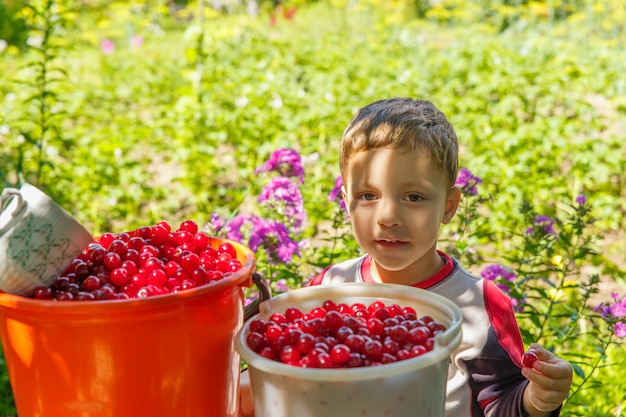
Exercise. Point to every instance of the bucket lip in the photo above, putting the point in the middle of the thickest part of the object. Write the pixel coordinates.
(445, 343)
(240, 278)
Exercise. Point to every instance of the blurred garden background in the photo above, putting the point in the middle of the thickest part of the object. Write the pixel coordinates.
(133, 112)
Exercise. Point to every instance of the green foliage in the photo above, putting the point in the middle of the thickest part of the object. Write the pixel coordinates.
(547, 261)
(12, 27)
(172, 122)
(38, 124)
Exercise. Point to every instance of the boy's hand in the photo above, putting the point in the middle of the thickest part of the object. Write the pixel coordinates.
(246, 403)
(550, 380)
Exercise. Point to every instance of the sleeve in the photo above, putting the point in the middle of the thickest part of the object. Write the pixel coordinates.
(496, 380)
(317, 279)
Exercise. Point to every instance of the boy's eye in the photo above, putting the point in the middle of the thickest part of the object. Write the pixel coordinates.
(414, 197)
(367, 196)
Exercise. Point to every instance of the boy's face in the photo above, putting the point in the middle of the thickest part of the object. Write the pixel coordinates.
(397, 201)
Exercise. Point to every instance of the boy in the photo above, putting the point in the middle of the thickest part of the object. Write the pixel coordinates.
(399, 164)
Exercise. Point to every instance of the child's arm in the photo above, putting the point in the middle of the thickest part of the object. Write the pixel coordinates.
(550, 380)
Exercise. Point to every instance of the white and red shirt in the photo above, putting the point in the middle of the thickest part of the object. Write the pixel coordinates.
(485, 370)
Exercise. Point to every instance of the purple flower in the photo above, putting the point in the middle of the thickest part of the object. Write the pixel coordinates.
(215, 225)
(335, 194)
(284, 196)
(491, 272)
(287, 162)
(499, 273)
(618, 309)
(249, 300)
(496, 271)
(274, 237)
(281, 285)
(270, 235)
(107, 46)
(603, 309)
(467, 182)
(236, 228)
(615, 310)
(581, 199)
(545, 225)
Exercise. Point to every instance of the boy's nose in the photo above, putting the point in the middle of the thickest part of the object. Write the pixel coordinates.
(388, 213)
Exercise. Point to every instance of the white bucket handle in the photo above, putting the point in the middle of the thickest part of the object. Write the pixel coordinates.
(444, 339)
(7, 195)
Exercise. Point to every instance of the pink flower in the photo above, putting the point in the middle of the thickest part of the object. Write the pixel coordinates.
(287, 162)
(136, 41)
(107, 46)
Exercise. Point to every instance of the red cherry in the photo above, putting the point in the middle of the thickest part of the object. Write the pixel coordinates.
(340, 354)
(289, 353)
(43, 293)
(106, 239)
(182, 237)
(305, 343)
(119, 277)
(380, 313)
(91, 283)
(189, 226)
(228, 248)
(255, 341)
(329, 305)
(157, 277)
(323, 360)
(135, 243)
(344, 308)
(200, 241)
(355, 361)
(97, 254)
(528, 359)
(394, 310)
(258, 325)
(130, 266)
(234, 265)
(334, 320)
(139, 279)
(417, 350)
(118, 246)
(190, 261)
(418, 335)
(112, 260)
(84, 296)
(292, 313)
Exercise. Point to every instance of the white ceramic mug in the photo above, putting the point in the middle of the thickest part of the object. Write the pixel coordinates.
(38, 239)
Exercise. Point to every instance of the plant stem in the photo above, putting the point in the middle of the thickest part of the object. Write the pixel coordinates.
(595, 366)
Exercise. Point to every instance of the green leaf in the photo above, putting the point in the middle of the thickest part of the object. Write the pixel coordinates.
(578, 370)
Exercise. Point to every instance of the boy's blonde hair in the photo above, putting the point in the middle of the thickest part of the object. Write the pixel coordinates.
(403, 123)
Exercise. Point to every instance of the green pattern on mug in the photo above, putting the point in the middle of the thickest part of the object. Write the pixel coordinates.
(37, 250)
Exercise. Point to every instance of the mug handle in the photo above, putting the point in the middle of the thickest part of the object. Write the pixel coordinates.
(7, 195)
(252, 309)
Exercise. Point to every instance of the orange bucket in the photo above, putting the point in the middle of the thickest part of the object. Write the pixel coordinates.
(168, 355)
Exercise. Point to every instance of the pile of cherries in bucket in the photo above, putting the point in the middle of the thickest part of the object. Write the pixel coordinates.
(148, 261)
(343, 335)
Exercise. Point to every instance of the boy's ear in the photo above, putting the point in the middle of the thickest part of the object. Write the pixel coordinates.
(452, 203)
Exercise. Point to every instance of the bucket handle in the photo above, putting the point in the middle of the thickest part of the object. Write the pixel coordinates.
(252, 309)
(7, 195)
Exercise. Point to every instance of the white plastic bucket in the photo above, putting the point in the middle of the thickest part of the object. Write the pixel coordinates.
(411, 387)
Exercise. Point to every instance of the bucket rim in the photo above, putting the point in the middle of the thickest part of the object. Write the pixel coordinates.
(242, 277)
(445, 343)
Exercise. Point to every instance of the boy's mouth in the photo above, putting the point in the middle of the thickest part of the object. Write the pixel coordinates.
(390, 242)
